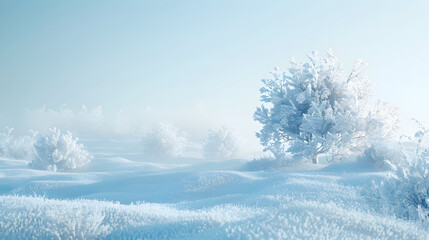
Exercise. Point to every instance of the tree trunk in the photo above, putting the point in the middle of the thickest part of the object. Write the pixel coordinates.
(315, 159)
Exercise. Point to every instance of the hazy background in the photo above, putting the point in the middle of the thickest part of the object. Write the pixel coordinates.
(195, 64)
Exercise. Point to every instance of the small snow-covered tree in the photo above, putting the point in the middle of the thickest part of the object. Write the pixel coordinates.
(313, 109)
(164, 141)
(227, 142)
(16, 147)
(58, 152)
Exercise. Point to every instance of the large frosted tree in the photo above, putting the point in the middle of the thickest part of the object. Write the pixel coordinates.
(315, 108)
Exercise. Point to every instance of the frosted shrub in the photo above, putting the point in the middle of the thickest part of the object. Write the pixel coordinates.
(58, 152)
(413, 188)
(382, 122)
(406, 193)
(164, 141)
(380, 156)
(315, 108)
(227, 142)
(16, 147)
(413, 180)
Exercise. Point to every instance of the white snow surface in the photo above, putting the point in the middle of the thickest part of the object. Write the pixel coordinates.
(122, 194)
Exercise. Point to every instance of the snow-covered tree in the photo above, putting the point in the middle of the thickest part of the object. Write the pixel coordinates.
(58, 152)
(227, 142)
(314, 109)
(164, 141)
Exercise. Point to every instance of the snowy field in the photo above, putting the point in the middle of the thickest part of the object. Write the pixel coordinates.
(124, 195)
(214, 120)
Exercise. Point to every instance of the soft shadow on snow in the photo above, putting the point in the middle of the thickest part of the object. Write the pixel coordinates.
(270, 164)
(348, 167)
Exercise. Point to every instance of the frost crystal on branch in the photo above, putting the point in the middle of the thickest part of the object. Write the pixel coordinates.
(313, 109)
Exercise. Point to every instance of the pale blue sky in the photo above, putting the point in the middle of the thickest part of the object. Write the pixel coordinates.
(199, 63)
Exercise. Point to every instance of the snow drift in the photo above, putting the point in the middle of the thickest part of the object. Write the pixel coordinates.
(211, 205)
(145, 200)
